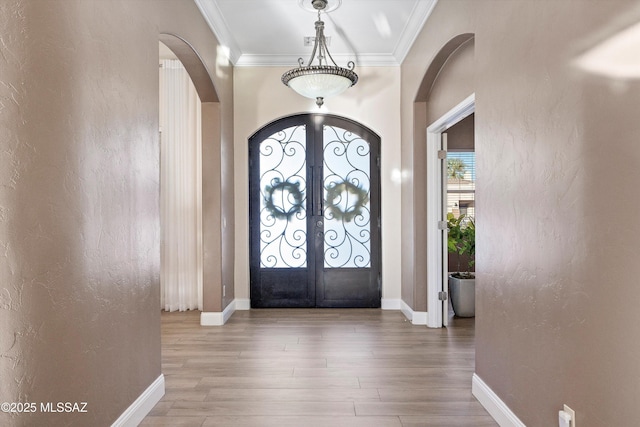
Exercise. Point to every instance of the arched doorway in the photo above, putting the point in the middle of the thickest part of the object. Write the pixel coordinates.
(443, 98)
(314, 203)
(180, 187)
(216, 248)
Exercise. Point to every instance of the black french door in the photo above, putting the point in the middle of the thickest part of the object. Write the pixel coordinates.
(314, 203)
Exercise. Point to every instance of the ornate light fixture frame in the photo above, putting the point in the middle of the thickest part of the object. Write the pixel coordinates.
(324, 68)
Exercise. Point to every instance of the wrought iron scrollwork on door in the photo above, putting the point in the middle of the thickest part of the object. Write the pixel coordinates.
(347, 212)
(283, 228)
(314, 210)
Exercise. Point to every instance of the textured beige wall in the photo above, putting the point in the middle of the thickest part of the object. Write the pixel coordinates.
(374, 101)
(557, 158)
(461, 136)
(79, 217)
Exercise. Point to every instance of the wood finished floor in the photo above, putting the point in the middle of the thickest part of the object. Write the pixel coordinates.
(316, 368)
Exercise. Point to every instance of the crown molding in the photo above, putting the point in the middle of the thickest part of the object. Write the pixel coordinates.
(213, 16)
(211, 13)
(366, 60)
(418, 18)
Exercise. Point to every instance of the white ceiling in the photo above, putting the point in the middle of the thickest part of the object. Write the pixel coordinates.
(271, 32)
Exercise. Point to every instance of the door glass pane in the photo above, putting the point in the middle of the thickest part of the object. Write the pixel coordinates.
(347, 208)
(283, 224)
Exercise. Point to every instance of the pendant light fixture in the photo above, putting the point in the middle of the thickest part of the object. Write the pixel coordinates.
(322, 80)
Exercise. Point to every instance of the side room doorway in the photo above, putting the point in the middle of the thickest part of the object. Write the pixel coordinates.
(437, 209)
(314, 212)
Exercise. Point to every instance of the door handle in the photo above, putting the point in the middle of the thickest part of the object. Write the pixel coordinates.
(310, 187)
(319, 197)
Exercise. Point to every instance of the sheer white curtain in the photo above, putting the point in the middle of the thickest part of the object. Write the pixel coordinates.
(180, 189)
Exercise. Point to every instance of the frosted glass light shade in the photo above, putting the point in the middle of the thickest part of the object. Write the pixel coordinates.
(319, 82)
(323, 85)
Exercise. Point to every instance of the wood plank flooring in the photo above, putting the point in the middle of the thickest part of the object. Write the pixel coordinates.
(316, 368)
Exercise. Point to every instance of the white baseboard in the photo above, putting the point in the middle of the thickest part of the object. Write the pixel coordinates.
(493, 404)
(390, 304)
(216, 318)
(415, 317)
(243, 304)
(142, 405)
(419, 318)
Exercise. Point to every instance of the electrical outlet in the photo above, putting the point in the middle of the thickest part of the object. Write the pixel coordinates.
(572, 413)
(567, 417)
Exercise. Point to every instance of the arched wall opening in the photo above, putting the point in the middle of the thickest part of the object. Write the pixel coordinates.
(214, 293)
(448, 80)
(180, 186)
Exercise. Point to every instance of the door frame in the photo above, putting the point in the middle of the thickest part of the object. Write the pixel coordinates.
(315, 165)
(436, 309)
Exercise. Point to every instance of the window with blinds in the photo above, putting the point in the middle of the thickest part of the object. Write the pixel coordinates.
(461, 183)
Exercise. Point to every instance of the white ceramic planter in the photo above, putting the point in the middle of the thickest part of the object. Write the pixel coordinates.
(463, 296)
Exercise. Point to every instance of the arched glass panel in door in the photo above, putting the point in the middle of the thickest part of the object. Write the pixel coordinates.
(314, 214)
(283, 227)
(347, 213)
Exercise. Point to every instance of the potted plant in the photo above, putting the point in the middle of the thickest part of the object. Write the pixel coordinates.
(462, 284)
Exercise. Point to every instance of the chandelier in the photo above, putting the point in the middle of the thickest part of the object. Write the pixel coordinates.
(322, 80)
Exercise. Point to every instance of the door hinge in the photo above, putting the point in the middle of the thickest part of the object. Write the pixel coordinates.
(442, 154)
(442, 225)
(442, 296)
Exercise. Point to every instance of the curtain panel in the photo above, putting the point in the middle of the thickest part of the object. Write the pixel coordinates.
(180, 190)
